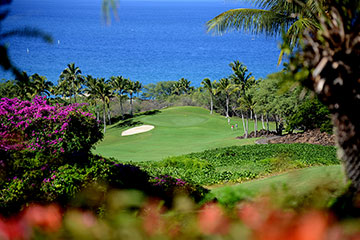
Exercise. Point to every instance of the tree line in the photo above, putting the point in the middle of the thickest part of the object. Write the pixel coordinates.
(239, 94)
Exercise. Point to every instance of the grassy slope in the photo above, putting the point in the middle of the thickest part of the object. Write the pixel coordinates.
(178, 130)
(298, 180)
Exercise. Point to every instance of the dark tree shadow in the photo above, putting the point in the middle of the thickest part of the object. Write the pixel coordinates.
(127, 123)
(119, 118)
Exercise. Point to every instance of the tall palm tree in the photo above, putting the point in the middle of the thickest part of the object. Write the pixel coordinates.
(119, 84)
(211, 87)
(71, 80)
(41, 85)
(91, 93)
(242, 82)
(24, 87)
(138, 87)
(226, 87)
(240, 77)
(185, 86)
(132, 88)
(100, 89)
(177, 88)
(329, 61)
(271, 17)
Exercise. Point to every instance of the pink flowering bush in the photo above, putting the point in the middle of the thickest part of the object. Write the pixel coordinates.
(38, 127)
(36, 140)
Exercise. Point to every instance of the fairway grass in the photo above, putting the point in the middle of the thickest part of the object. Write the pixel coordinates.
(299, 181)
(178, 130)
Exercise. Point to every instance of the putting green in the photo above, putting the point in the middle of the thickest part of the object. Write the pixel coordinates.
(178, 130)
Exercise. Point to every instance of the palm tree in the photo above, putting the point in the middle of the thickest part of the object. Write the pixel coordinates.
(100, 89)
(185, 86)
(211, 87)
(177, 88)
(24, 87)
(240, 78)
(271, 17)
(226, 87)
(138, 87)
(41, 85)
(91, 93)
(119, 84)
(71, 80)
(132, 88)
(329, 61)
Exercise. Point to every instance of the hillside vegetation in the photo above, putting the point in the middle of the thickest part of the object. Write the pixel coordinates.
(241, 163)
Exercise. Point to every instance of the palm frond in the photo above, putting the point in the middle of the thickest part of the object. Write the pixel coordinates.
(298, 28)
(251, 20)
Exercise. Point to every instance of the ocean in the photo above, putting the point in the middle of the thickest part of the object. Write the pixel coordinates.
(151, 41)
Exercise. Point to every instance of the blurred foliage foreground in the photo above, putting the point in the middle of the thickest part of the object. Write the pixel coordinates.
(130, 214)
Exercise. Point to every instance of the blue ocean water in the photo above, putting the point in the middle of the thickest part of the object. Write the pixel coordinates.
(152, 41)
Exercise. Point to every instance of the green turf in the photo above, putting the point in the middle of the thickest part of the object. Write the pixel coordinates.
(178, 130)
(299, 181)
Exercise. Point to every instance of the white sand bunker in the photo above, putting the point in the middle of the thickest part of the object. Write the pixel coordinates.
(136, 130)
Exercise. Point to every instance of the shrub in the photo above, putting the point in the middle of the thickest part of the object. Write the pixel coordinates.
(41, 128)
(311, 114)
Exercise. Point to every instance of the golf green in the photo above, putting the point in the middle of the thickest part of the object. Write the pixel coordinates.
(178, 130)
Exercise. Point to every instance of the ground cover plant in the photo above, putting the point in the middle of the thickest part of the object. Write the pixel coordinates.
(241, 163)
(178, 130)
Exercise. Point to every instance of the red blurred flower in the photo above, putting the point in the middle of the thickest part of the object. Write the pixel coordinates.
(212, 220)
(152, 219)
(13, 228)
(275, 224)
(48, 218)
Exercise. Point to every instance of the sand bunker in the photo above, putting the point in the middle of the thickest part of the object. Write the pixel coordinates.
(136, 130)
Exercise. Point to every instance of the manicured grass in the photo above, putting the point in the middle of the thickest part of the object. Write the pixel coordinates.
(298, 181)
(178, 130)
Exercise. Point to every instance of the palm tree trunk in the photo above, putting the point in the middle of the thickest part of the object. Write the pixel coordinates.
(109, 116)
(227, 106)
(276, 124)
(131, 105)
(121, 107)
(247, 126)
(262, 121)
(211, 104)
(104, 115)
(255, 125)
(243, 121)
(97, 112)
(347, 131)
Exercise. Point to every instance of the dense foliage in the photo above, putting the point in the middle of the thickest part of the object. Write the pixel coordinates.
(45, 157)
(311, 114)
(241, 163)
